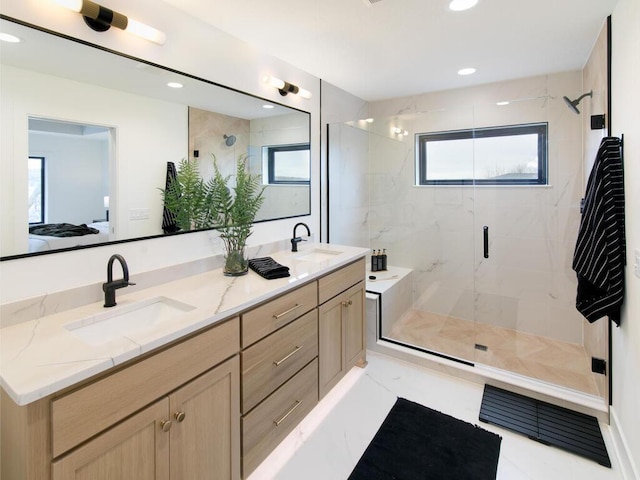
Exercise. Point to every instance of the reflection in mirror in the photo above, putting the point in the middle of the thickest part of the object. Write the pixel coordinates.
(49, 77)
(68, 184)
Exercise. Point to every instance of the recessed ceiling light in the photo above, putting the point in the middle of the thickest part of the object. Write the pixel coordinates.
(459, 5)
(502, 103)
(174, 85)
(267, 106)
(7, 37)
(466, 71)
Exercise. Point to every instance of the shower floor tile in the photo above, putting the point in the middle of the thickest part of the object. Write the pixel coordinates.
(553, 361)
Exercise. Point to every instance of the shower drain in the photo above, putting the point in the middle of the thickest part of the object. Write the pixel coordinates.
(479, 346)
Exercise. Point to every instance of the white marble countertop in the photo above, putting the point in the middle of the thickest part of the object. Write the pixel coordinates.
(41, 357)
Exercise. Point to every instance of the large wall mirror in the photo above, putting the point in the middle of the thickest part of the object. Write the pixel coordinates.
(87, 134)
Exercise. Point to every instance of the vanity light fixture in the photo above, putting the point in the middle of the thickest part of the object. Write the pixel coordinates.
(502, 104)
(285, 87)
(101, 19)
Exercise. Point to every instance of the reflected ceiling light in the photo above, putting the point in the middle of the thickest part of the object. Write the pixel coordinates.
(100, 19)
(501, 104)
(368, 120)
(174, 85)
(467, 71)
(285, 87)
(397, 130)
(7, 37)
(267, 106)
(460, 5)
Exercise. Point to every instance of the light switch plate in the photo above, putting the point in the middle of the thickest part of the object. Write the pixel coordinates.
(138, 214)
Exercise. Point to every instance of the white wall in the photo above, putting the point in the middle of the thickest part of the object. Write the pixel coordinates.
(337, 106)
(144, 142)
(75, 166)
(625, 111)
(191, 47)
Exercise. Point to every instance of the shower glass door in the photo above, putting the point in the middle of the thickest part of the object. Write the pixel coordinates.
(492, 283)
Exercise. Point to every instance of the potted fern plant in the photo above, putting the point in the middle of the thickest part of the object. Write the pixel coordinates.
(197, 204)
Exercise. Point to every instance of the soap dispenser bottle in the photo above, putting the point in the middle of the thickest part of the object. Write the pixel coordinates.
(383, 259)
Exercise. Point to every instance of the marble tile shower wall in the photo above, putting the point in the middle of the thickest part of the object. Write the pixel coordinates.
(527, 283)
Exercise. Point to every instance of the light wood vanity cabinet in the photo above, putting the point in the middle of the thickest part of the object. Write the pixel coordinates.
(173, 414)
(288, 352)
(188, 434)
(211, 406)
(341, 324)
(279, 371)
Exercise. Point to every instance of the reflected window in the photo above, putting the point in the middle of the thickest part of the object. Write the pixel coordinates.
(512, 155)
(36, 190)
(288, 164)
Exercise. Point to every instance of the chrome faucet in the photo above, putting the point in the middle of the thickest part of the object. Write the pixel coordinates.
(296, 240)
(111, 286)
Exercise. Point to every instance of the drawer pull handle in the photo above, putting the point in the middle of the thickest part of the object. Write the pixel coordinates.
(280, 315)
(277, 364)
(346, 304)
(165, 425)
(179, 416)
(284, 417)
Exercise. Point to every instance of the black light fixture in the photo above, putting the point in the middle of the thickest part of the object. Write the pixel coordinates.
(101, 19)
(285, 87)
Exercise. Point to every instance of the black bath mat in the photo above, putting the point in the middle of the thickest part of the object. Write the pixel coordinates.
(548, 424)
(417, 443)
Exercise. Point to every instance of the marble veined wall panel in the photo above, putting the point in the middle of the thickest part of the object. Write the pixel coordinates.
(526, 283)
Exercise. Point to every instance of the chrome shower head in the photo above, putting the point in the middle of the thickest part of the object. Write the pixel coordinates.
(573, 104)
(229, 140)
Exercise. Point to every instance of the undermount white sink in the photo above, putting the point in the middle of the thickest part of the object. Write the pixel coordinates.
(129, 320)
(317, 255)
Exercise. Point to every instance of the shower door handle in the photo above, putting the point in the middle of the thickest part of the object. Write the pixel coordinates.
(485, 230)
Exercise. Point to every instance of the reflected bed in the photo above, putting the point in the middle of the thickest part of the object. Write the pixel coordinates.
(44, 243)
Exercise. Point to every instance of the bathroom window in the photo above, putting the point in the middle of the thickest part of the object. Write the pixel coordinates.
(288, 164)
(36, 190)
(508, 155)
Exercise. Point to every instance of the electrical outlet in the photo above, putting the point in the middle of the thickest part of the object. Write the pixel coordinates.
(636, 263)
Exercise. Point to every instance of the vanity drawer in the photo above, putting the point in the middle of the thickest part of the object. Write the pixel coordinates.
(80, 414)
(266, 318)
(272, 361)
(267, 425)
(337, 282)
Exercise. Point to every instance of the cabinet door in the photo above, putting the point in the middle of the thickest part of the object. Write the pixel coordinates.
(341, 336)
(135, 448)
(330, 340)
(205, 438)
(353, 320)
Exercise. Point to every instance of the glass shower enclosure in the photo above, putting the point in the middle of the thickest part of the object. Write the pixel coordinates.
(492, 284)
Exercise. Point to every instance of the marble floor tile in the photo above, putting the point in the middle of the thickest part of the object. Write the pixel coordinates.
(331, 439)
(561, 363)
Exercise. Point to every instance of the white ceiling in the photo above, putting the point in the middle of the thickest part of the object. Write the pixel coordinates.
(396, 48)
